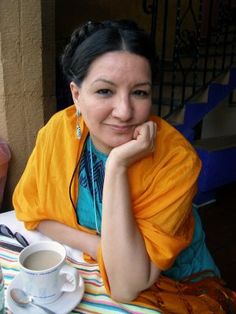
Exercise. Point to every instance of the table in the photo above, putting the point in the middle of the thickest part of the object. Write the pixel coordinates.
(95, 299)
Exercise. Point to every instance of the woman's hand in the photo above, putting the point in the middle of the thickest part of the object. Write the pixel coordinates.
(142, 144)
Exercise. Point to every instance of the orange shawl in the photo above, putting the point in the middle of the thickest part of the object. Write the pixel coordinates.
(162, 186)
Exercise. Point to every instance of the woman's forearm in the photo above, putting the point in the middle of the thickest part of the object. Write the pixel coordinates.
(77, 239)
(127, 263)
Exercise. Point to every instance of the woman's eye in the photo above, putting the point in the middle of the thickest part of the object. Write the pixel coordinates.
(104, 92)
(141, 93)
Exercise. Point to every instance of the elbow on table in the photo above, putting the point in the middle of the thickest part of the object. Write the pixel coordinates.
(124, 296)
(125, 293)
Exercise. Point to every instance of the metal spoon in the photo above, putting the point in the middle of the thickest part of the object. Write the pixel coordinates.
(22, 299)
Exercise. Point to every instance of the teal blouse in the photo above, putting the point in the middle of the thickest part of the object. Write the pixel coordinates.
(91, 178)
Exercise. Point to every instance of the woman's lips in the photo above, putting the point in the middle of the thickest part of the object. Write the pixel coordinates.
(121, 128)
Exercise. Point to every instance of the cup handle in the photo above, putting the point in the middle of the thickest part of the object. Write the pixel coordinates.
(69, 276)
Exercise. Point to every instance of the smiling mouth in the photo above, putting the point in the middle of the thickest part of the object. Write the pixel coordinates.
(121, 128)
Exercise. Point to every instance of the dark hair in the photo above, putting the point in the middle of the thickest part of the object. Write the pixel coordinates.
(92, 39)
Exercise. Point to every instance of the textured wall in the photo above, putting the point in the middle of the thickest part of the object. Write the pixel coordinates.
(22, 91)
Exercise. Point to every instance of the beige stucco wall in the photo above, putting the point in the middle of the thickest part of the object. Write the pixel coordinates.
(27, 96)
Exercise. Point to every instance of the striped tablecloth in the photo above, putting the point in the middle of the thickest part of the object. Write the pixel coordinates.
(95, 299)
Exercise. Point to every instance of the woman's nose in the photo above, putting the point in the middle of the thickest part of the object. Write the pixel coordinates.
(123, 109)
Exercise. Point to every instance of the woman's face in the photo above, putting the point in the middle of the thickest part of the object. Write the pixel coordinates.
(114, 98)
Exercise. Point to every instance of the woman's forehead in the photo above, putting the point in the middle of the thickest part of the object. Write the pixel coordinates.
(119, 63)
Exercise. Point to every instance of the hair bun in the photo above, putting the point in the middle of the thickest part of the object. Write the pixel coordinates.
(87, 30)
(79, 35)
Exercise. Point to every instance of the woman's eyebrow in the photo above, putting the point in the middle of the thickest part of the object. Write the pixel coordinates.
(112, 83)
(104, 81)
(143, 84)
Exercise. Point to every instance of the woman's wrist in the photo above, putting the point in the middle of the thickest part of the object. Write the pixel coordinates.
(116, 164)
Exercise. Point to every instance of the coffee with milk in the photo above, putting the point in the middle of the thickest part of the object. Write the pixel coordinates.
(42, 260)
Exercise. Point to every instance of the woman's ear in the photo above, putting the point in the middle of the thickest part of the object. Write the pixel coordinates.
(75, 93)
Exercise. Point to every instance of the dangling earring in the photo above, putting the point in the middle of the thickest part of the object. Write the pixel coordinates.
(78, 129)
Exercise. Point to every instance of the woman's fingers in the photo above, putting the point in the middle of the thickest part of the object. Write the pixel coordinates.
(143, 143)
(146, 133)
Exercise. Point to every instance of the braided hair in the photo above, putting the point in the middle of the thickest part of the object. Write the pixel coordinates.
(92, 39)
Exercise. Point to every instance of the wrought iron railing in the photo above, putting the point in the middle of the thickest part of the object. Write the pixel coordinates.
(196, 41)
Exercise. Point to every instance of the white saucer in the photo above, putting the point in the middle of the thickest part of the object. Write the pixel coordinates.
(64, 305)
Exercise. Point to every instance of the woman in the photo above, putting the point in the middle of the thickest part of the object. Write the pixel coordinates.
(108, 178)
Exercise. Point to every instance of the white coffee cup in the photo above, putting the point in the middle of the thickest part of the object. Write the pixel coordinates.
(43, 271)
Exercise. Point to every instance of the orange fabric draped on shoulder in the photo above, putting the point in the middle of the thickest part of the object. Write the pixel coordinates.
(162, 186)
